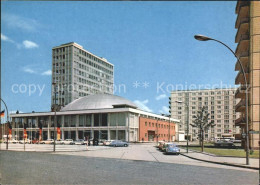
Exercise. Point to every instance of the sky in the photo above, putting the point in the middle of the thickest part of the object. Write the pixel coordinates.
(151, 45)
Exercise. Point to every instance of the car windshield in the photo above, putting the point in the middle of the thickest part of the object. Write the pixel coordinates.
(172, 146)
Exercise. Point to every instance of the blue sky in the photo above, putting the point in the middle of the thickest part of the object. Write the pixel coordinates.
(151, 45)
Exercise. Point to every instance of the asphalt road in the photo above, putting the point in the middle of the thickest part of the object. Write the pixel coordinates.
(45, 168)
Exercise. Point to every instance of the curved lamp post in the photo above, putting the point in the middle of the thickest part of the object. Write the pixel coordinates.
(7, 117)
(205, 38)
(55, 117)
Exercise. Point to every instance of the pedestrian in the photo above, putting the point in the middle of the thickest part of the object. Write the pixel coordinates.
(87, 142)
(142, 140)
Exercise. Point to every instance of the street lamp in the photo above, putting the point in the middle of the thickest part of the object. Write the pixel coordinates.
(187, 132)
(7, 117)
(55, 117)
(205, 38)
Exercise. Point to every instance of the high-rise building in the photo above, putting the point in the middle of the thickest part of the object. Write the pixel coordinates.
(219, 103)
(248, 50)
(77, 73)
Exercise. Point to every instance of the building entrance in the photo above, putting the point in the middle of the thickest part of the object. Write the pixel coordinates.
(151, 135)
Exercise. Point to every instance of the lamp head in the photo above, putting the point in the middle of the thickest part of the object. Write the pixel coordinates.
(202, 38)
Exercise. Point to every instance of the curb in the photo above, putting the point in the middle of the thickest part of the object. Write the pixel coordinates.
(213, 155)
(224, 163)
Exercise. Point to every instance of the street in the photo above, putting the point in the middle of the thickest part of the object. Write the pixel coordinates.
(137, 164)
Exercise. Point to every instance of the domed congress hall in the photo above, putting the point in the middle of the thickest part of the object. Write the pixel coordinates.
(100, 116)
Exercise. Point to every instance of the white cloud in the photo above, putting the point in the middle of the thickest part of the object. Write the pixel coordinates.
(29, 44)
(26, 44)
(14, 21)
(5, 38)
(29, 70)
(142, 105)
(164, 110)
(47, 73)
(162, 96)
(36, 69)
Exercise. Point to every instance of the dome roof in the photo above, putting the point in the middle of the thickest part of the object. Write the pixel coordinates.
(98, 101)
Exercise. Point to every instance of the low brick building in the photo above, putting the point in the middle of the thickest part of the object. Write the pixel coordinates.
(156, 129)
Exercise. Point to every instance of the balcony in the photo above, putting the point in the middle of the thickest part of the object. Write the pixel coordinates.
(240, 77)
(244, 58)
(241, 106)
(243, 44)
(240, 5)
(243, 27)
(240, 121)
(240, 92)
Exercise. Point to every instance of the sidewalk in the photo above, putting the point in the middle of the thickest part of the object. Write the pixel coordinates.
(230, 161)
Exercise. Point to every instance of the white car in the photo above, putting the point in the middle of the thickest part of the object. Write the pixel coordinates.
(59, 142)
(48, 141)
(79, 142)
(24, 141)
(14, 141)
(68, 142)
(107, 142)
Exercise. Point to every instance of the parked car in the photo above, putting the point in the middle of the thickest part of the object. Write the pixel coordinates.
(59, 142)
(161, 143)
(224, 143)
(24, 141)
(158, 144)
(107, 142)
(101, 142)
(95, 142)
(35, 141)
(79, 142)
(14, 141)
(172, 149)
(68, 142)
(164, 146)
(48, 141)
(118, 143)
(11, 141)
(28, 141)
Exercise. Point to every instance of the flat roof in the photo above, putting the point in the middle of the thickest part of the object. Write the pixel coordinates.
(81, 47)
(198, 90)
(113, 110)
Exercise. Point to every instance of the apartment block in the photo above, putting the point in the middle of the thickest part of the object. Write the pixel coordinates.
(248, 51)
(77, 73)
(219, 103)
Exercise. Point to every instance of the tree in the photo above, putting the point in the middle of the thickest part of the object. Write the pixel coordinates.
(201, 121)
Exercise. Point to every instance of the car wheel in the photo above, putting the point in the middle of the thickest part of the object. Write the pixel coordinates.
(125, 145)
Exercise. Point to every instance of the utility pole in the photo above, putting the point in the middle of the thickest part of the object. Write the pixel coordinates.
(7, 117)
(55, 117)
